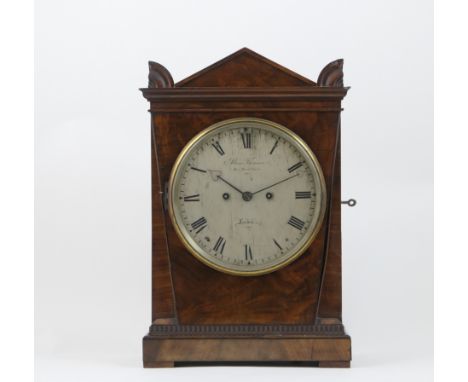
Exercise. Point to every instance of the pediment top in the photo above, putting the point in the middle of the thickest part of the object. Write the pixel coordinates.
(246, 69)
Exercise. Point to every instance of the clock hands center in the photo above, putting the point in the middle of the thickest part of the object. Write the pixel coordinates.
(247, 195)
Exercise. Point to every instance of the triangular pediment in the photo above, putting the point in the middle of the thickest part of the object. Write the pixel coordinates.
(245, 68)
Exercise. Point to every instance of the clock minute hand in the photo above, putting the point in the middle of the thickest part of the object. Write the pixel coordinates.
(229, 184)
(274, 184)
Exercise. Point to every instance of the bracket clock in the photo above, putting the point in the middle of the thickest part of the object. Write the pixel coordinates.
(246, 208)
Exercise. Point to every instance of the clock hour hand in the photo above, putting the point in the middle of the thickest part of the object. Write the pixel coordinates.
(229, 184)
(274, 184)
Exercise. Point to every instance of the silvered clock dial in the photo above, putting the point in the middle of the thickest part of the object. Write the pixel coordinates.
(246, 196)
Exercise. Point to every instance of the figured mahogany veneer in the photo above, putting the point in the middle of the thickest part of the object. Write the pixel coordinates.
(200, 314)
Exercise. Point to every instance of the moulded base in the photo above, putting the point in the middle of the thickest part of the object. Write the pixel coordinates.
(317, 351)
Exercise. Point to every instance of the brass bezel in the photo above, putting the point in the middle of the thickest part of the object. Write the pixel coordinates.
(198, 137)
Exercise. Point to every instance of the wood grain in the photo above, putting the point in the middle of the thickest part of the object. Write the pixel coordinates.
(330, 293)
(185, 350)
(244, 68)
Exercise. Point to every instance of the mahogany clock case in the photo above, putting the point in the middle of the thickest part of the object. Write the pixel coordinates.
(200, 314)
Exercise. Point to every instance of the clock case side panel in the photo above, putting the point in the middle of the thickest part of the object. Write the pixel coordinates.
(163, 309)
(330, 303)
(330, 300)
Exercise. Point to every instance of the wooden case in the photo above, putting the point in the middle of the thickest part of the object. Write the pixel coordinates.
(200, 314)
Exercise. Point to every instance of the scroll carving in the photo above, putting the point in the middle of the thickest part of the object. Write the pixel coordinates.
(159, 76)
(332, 74)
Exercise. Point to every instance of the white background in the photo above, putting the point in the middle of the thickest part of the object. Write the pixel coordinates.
(93, 172)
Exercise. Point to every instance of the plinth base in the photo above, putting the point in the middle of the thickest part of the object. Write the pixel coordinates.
(318, 351)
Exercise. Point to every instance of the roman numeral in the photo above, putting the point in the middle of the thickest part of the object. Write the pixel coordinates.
(197, 169)
(192, 198)
(199, 224)
(303, 194)
(296, 223)
(295, 167)
(220, 243)
(247, 139)
(279, 246)
(274, 146)
(248, 252)
(218, 148)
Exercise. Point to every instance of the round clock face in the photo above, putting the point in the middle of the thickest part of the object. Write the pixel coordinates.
(246, 196)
